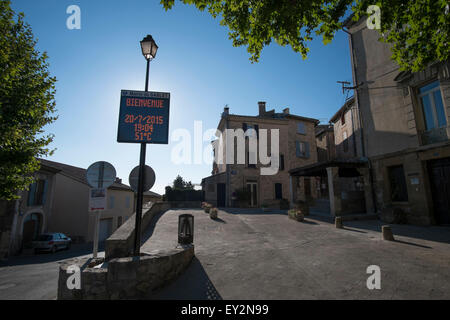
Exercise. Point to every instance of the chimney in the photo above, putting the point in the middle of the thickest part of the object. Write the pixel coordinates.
(118, 180)
(286, 110)
(226, 111)
(262, 107)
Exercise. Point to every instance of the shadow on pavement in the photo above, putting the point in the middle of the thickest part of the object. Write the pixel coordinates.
(193, 284)
(75, 251)
(428, 233)
(253, 211)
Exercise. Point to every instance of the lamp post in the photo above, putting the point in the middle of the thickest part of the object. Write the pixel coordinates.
(149, 49)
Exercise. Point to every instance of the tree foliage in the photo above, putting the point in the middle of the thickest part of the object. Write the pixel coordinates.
(180, 184)
(26, 103)
(418, 30)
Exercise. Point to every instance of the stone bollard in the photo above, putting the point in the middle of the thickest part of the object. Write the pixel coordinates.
(387, 233)
(338, 223)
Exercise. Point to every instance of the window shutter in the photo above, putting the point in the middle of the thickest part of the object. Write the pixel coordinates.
(31, 193)
(45, 191)
(306, 149)
(297, 149)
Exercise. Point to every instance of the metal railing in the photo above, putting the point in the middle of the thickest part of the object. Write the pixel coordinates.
(434, 135)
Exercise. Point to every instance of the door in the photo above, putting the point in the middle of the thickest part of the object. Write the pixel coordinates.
(221, 194)
(439, 171)
(105, 229)
(252, 189)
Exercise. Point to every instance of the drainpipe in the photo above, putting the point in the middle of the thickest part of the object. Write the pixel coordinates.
(363, 149)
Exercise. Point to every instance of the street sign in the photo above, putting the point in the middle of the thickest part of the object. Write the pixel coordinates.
(144, 117)
(97, 199)
(101, 174)
(149, 178)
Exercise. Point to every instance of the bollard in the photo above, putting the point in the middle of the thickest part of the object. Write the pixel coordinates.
(387, 233)
(185, 229)
(338, 223)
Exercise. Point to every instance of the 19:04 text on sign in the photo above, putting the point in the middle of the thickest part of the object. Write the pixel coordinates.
(144, 117)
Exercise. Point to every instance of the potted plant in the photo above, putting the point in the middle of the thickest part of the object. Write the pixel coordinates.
(207, 208)
(213, 213)
(296, 214)
(303, 207)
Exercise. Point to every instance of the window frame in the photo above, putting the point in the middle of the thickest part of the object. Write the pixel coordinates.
(430, 94)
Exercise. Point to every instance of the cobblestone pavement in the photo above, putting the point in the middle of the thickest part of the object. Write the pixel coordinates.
(247, 254)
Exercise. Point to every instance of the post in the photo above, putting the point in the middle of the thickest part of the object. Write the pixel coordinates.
(96, 226)
(139, 200)
(97, 213)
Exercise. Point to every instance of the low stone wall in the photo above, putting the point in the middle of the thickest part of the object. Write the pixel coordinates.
(125, 278)
(185, 204)
(121, 242)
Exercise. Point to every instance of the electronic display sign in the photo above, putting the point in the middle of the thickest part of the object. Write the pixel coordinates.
(144, 117)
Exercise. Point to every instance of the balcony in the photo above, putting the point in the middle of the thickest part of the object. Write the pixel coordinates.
(434, 135)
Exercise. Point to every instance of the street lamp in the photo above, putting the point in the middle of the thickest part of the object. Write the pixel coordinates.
(149, 49)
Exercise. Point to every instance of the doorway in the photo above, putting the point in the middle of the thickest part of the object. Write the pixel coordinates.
(221, 194)
(31, 228)
(253, 192)
(439, 171)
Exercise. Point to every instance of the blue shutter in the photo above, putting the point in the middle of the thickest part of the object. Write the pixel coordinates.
(306, 149)
(31, 193)
(44, 193)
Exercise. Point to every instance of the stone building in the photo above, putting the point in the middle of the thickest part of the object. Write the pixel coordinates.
(297, 147)
(58, 201)
(405, 130)
(326, 149)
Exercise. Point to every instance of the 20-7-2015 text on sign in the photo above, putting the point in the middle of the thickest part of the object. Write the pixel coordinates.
(144, 117)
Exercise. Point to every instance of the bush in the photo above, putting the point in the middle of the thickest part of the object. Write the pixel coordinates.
(183, 195)
(213, 213)
(296, 215)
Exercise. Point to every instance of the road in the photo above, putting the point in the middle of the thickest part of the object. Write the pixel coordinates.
(35, 277)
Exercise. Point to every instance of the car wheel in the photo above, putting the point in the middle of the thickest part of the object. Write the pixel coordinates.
(53, 249)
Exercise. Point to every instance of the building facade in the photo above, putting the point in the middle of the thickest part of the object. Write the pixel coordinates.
(58, 201)
(297, 146)
(405, 122)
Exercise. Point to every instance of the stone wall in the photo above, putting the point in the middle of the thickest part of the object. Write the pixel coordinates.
(126, 278)
(121, 242)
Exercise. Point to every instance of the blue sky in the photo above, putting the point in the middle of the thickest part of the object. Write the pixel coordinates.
(196, 63)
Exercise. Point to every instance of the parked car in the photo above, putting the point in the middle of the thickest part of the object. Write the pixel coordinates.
(51, 242)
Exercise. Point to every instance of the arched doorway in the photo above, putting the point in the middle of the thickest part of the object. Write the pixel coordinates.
(31, 228)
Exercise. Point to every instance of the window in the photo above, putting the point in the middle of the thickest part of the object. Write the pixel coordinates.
(251, 157)
(301, 128)
(343, 118)
(397, 183)
(127, 202)
(345, 141)
(278, 191)
(119, 221)
(281, 162)
(111, 202)
(302, 149)
(250, 130)
(432, 106)
(36, 193)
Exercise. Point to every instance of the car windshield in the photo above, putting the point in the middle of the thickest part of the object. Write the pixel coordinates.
(44, 237)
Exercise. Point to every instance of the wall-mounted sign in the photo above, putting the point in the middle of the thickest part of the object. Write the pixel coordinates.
(144, 117)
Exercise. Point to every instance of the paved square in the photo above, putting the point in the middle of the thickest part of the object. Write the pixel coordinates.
(249, 254)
